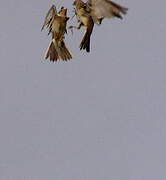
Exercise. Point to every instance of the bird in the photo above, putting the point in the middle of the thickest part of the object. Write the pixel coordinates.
(93, 12)
(56, 23)
(84, 19)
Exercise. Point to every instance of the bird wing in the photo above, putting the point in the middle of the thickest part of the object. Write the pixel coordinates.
(49, 17)
(105, 9)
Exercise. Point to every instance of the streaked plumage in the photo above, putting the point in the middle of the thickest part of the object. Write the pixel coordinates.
(94, 11)
(56, 24)
(85, 19)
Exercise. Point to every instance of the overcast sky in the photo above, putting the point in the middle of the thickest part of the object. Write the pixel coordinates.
(100, 116)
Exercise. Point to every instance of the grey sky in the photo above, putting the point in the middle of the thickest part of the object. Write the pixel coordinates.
(100, 116)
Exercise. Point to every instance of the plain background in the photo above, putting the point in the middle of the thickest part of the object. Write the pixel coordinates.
(100, 116)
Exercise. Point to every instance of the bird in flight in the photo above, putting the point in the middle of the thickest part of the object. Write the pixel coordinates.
(56, 23)
(93, 12)
(87, 13)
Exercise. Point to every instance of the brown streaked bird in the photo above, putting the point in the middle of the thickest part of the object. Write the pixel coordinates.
(56, 23)
(85, 19)
(94, 11)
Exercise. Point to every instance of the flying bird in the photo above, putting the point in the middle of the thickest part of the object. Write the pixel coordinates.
(56, 23)
(85, 19)
(93, 12)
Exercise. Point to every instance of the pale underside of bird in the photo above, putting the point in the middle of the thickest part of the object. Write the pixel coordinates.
(56, 23)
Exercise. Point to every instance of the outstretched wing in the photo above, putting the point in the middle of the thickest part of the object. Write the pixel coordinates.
(105, 9)
(49, 17)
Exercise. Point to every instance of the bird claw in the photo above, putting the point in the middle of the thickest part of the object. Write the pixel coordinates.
(71, 28)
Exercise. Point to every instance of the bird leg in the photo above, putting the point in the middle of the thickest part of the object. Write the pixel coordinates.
(74, 27)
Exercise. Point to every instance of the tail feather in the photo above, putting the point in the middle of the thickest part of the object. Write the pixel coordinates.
(61, 52)
(51, 52)
(56, 52)
(85, 43)
(64, 52)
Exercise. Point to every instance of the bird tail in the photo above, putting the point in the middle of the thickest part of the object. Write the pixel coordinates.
(58, 51)
(63, 52)
(85, 43)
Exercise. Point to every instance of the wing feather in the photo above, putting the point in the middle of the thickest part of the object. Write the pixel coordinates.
(105, 9)
(49, 17)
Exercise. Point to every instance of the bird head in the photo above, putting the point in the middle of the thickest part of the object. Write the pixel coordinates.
(77, 2)
(63, 11)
